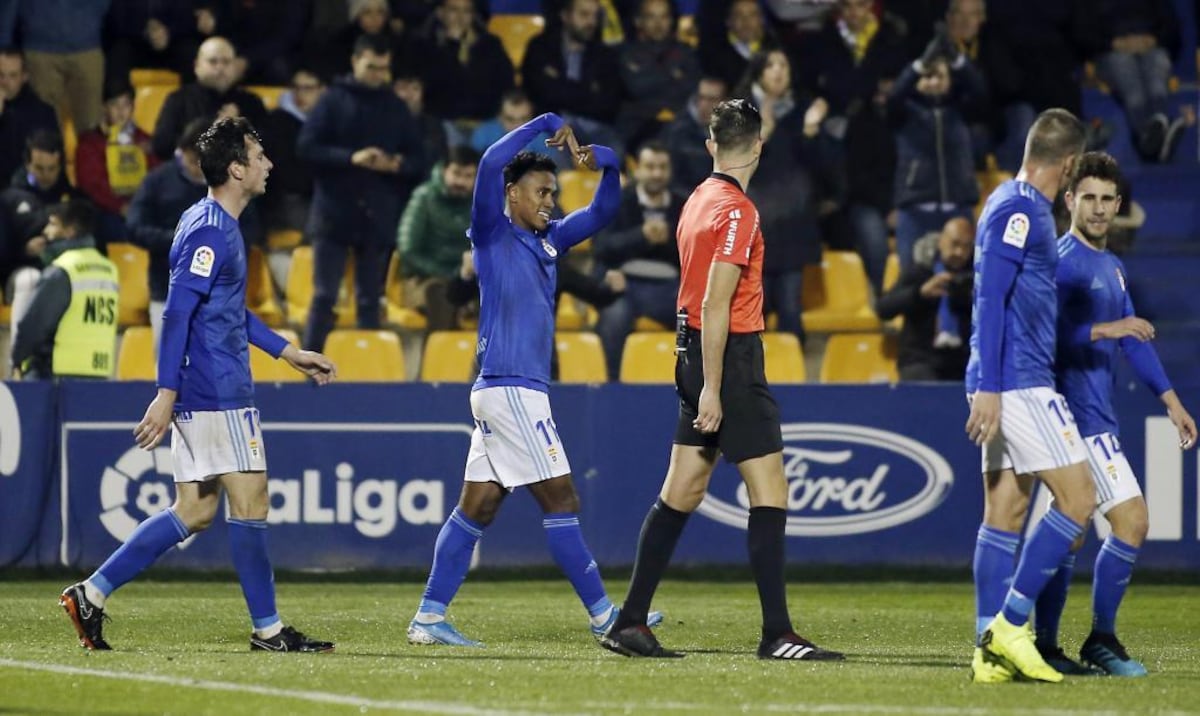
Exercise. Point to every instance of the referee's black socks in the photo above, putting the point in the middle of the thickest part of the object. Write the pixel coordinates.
(765, 542)
(656, 544)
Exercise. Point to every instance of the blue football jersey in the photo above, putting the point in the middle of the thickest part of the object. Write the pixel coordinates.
(1017, 225)
(208, 256)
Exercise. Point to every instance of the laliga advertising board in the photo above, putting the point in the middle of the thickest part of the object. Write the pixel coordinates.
(363, 476)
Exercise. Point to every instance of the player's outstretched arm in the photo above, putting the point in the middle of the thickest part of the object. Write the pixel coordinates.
(588, 221)
(487, 208)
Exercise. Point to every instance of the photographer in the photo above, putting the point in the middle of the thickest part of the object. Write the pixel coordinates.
(934, 296)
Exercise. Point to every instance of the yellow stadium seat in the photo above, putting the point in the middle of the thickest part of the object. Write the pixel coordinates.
(515, 32)
(837, 296)
(70, 143)
(145, 76)
(366, 356)
(784, 358)
(576, 188)
(398, 314)
(265, 369)
(580, 358)
(648, 358)
(859, 358)
(135, 360)
(891, 271)
(147, 103)
(988, 180)
(268, 94)
(645, 323)
(299, 290)
(449, 357)
(573, 314)
(260, 292)
(133, 269)
(284, 239)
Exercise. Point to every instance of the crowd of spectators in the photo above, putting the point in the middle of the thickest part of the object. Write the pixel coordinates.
(877, 114)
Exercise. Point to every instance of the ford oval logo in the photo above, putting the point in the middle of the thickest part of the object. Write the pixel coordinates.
(846, 479)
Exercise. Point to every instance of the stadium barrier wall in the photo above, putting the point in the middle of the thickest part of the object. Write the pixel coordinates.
(362, 476)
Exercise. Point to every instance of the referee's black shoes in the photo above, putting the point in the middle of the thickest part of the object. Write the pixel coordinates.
(793, 646)
(637, 641)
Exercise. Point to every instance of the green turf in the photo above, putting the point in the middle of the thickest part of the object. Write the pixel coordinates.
(908, 645)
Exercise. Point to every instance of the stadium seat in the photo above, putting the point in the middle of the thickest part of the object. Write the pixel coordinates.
(891, 271)
(573, 314)
(70, 143)
(133, 270)
(146, 76)
(398, 314)
(449, 357)
(784, 358)
(645, 323)
(366, 356)
(859, 358)
(515, 32)
(265, 369)
(299, 290)
(837, 296)
(580, 358)
(147, 103)
(988, 180)
(268, 94)
(576, 188)
(135, 359)
(648, 358)
(284, 239)
(260, 292)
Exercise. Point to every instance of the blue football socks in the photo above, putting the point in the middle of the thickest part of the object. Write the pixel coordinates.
(248, 547)
(1043, 553)
(573, 558)
(451, 560)
(1051, 601)
(995, 559)
(149, 541)
(1114, 567)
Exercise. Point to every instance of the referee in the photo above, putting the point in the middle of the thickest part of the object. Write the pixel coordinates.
(725, 405)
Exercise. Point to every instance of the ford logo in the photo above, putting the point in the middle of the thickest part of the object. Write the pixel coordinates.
(845, 480)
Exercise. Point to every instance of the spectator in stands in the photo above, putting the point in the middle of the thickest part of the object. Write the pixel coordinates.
(1133, 43)
(62, 51)
(411, 88)
(640, 243)
(432, 236)
(286, 204)
(167, 191)
(21, 111)
(268, 36)
(796, 22)
(111, 160)
(935, 175)
(965, 23)
(657, 71)
(466, 68)
(515, 109)
(573, 73)
(150, 34)
(70, 329)
(796, 183)
(726, 48)
(1046, 53)
(212, 95)
(331, 51)
(933, 295)
(685, 137)
(366, 154)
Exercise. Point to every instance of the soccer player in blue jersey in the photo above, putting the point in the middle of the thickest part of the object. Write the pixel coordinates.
(205, 395)
(516, 442)
(1095, 318)
(1022, 424)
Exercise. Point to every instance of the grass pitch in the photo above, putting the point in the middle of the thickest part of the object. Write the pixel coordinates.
(181, 647)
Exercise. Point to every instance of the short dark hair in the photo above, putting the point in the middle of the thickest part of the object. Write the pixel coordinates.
(189, 138)
(222, 144)
(526, 162)
(1095, 165)
(462, 155)
(377, 44)
(735, 124)
(1056, 134)
(43, 140)
(13, 52)
(654, 145)
(515, 95)
(75, 213)
(755, 68)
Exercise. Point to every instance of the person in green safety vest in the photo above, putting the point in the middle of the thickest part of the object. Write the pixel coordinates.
(70, 329)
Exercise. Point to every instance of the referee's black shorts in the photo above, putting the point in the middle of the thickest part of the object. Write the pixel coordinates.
(750, 416)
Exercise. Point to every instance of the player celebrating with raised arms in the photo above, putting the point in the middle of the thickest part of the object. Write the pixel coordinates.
(1095, 318)
(515, 442)
(206, 396)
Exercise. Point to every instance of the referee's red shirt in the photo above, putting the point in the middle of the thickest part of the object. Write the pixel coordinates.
(720, 223)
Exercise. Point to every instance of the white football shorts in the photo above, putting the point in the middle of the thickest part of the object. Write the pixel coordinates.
(1114, 478)
(207, 444)
(515, 441)
(1037, 432)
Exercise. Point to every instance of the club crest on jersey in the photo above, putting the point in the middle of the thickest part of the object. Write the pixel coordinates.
(1017, 230)
(1120, 278)
(549, 249)
(202, 261)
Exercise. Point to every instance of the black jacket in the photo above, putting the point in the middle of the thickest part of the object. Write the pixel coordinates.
(18, 119)
(470, 90)
(690, 161)
(291, 175)
(24, 216)
(623, 241)
(192, 101)
(352, 204)
(597, 95)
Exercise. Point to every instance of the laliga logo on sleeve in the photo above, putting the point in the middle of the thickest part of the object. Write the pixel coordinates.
(141, 478)
(844, 480)
(202, 262)
(10, 433)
